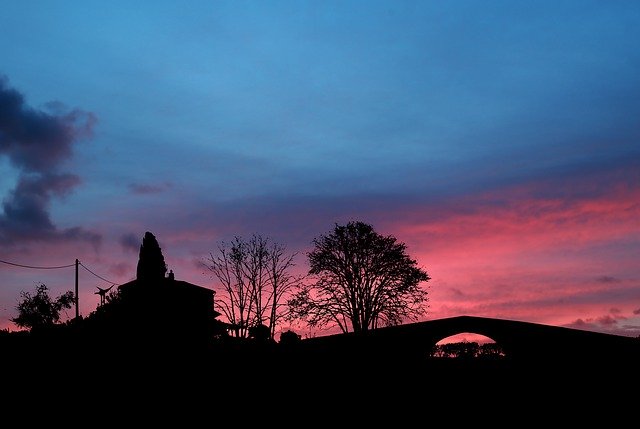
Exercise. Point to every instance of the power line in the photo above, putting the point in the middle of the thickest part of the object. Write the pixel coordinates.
(36, 267)
(55, 268)
(98, 276)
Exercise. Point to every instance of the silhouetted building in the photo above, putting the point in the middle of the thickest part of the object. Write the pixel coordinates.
(169, 309)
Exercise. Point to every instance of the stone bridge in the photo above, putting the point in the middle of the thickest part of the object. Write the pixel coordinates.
(519, 340)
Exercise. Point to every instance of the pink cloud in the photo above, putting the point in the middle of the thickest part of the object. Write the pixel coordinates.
(522, 254)
(578, 323)
(528, 252)
(607, 320)
(606, 324)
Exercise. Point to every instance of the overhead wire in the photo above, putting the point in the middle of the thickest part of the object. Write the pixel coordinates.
(40, 267)
(36, 267)
(98, 276)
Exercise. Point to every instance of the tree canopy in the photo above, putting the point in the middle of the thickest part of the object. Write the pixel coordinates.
(362, 280)
(40, 310)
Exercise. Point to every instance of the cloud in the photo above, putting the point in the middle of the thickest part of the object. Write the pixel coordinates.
(578, 323)
(36, 142)
(121, 269)
(636, 311)
(609, 323)
(610, 326)
(456, 292)
(607, 320)
(26, 210)
(607, 279)
(130, 242)
(141, 189)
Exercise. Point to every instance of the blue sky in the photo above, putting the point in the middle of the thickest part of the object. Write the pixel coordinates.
(203, 120)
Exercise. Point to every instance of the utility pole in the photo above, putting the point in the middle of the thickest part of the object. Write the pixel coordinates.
(77, 309)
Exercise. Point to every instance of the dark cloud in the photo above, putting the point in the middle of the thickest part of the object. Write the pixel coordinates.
(36, 142)
(138, 188)
(121, 268)
(578, 323)
(130, 242)
(614, 310)
(456, 292)
(26, 210)
(636, 311)
(608, 279)
(606, 324)
(200, 264)
(607, 320)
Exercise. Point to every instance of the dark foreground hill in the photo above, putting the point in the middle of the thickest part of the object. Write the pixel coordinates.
(246, 384)
(323, 361)
(370, 376)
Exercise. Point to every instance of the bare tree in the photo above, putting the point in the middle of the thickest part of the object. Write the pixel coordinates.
(254, 264)
(236, 301)
(254, 279)
(281, 282)
(363, 279)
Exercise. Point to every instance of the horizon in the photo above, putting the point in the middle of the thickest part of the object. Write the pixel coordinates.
(498, 141)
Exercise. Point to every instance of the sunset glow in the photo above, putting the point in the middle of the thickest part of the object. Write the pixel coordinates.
(499, 142)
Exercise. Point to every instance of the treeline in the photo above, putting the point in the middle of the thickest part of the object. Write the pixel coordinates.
(357, 280)
(467, 350)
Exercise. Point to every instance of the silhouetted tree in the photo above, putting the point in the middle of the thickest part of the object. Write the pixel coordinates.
(151, 265)
(260, 333)
(254, 277)
(453, 350)
(288, 338)
(491, 350)
(236, 301)
(467, 350)
(255, 255)
(112, 305)
(40, 310)
(363, 279)
(281, 282)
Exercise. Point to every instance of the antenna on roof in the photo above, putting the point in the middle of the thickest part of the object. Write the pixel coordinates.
(103, 293)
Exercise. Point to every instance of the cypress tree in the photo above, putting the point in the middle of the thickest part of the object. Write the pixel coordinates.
(151, 265)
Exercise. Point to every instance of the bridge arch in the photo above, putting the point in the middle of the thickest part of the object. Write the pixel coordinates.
(418, 339)
(467, 345)
(432, 333)
(466, 337)
(521, 341)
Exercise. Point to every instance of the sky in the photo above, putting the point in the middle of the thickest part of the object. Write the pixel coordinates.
(499, 140)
